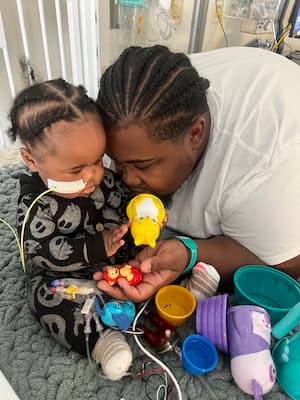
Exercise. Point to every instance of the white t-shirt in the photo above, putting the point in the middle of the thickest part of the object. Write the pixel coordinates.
(247, 184)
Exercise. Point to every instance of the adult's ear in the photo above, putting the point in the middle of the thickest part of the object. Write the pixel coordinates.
(199, 131)
(28, 159)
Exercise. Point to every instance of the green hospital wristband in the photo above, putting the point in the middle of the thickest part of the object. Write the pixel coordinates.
(193, 247)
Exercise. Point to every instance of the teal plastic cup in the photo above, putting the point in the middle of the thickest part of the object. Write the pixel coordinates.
(266, 287)
(286, 353)
(286, 356)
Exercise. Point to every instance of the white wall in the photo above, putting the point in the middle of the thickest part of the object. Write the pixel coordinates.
(16, 50)
(111, 43)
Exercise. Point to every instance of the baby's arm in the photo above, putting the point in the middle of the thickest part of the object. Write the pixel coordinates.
(53, 243)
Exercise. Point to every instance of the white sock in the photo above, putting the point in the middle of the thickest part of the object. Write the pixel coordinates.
(113, 353)
(203, 282)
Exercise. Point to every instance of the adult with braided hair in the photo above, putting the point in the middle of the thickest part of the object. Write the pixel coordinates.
(217, 135)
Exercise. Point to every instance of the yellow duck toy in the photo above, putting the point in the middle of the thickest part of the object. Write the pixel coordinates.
(147, 213)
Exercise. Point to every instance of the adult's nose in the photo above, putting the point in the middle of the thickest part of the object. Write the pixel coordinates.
(130, 176)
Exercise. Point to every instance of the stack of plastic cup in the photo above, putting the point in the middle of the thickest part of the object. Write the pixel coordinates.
(211, 320)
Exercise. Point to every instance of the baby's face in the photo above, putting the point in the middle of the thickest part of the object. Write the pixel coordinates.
(72, 152)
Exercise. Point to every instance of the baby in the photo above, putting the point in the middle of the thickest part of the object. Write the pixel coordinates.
(78, 225)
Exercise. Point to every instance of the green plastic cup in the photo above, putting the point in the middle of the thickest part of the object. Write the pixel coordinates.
(266, 287)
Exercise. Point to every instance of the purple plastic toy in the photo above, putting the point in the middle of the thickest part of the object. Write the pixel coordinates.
(249, 339)
(211, 320)
(245, 333)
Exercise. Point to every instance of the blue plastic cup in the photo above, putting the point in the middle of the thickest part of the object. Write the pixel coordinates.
(199, 355)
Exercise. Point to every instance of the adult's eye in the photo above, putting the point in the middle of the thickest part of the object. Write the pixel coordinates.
(99, 161)
(142, 166)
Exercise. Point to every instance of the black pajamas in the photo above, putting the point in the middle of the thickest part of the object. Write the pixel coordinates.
(63, 239)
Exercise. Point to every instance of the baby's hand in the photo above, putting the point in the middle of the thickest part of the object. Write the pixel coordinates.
(164, 222)
(113, 238)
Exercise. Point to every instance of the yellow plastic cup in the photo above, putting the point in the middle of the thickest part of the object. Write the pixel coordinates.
(175, 304)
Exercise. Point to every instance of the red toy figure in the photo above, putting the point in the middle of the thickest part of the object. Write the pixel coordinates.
(114, 272)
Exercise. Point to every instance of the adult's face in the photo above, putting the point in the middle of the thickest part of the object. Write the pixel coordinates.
(148, 165)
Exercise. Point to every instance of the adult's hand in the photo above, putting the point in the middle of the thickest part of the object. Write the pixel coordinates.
(167, 254)
(150, 283)
(160, 265)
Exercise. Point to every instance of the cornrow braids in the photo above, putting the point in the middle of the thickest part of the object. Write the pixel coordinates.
(154, 87)
(39, 106)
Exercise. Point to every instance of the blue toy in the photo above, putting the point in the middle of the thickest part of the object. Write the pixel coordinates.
(116, 313)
